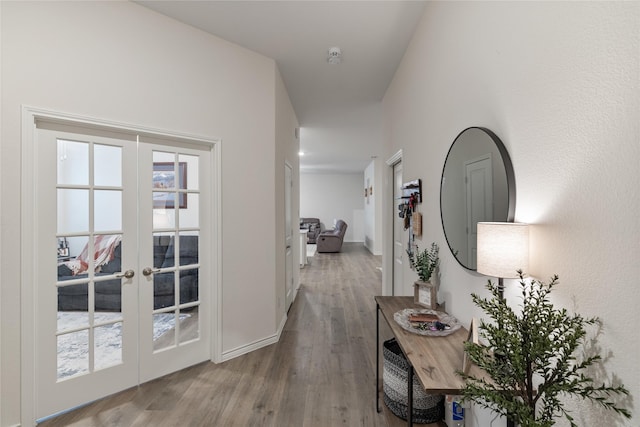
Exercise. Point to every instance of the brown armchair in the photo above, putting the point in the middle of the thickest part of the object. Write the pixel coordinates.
(331, 240)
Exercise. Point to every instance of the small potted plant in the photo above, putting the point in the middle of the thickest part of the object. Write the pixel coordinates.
(425, 263)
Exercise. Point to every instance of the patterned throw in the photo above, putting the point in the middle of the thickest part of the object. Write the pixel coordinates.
(104, 247)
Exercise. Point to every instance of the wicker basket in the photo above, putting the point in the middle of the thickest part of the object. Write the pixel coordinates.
(427, 408)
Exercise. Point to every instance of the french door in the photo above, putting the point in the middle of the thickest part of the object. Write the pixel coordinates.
(121, 284)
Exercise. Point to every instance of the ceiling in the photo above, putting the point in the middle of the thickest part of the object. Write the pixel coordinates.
(337, 105)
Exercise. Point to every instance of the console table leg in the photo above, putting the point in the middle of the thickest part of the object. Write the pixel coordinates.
(410, 396)
(378, 358)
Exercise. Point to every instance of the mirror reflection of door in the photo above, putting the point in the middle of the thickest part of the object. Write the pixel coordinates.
(116, 299)
(479, 195)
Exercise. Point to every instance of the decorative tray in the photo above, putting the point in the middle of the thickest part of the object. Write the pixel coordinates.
(431, 329)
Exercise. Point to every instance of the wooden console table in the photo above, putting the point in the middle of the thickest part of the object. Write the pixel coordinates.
(433, 359)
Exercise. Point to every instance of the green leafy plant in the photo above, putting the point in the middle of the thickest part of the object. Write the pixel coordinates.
(424, 262)
(531, 359)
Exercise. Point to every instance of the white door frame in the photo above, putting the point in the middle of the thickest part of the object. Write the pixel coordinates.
(28, 236)
(387, 224)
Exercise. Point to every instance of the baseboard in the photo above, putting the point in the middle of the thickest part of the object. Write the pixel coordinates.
(248, 348)
(256, 345)
(371, 251)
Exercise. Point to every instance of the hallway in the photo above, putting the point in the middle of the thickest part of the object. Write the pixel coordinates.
(321, 372)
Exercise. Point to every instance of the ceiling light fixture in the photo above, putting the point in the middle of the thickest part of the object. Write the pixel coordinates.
(300, 153)
(335, 56)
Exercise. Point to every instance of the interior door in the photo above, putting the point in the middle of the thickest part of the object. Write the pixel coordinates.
(175, 238)
(479, 196)
(398, 232)
(288, 187)
(86, 305)
(130, 224)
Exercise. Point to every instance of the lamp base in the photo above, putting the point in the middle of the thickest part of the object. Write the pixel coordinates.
(510, 423)
(501, 288)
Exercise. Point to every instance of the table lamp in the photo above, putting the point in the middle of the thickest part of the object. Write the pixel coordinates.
(503, 249)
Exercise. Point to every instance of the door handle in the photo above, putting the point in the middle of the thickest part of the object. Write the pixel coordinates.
(148, 271)
(127, 274)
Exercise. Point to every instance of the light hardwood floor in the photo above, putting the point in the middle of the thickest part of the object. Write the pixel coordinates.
(321, 372)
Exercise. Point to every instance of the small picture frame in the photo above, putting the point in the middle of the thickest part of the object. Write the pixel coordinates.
(63, 252)
(473, 338)
(165, 182)
(63, 247)
(425, 294)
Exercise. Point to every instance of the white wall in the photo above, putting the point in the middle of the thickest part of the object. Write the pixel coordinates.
(558, 83)
(120, 62)
(334, 196)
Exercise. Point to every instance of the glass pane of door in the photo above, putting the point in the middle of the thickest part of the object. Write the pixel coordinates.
(176, 210)
(89, 303)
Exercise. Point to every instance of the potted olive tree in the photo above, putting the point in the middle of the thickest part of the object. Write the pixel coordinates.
(531, 359)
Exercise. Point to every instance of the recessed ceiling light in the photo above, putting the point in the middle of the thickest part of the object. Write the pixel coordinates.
(301, 153)
(335, 55)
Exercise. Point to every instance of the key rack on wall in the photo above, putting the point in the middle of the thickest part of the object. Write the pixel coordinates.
(411, 196)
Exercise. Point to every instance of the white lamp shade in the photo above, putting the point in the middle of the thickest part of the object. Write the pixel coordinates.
(503, 248)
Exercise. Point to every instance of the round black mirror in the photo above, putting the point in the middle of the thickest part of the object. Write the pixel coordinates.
(477, 185)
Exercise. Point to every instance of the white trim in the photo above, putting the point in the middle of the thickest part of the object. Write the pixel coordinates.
(109, 125)
(256, 345)
(387, 224)
(28, 233)
(1, 217)
(396, 158)
(27, 239)
(216, 294)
